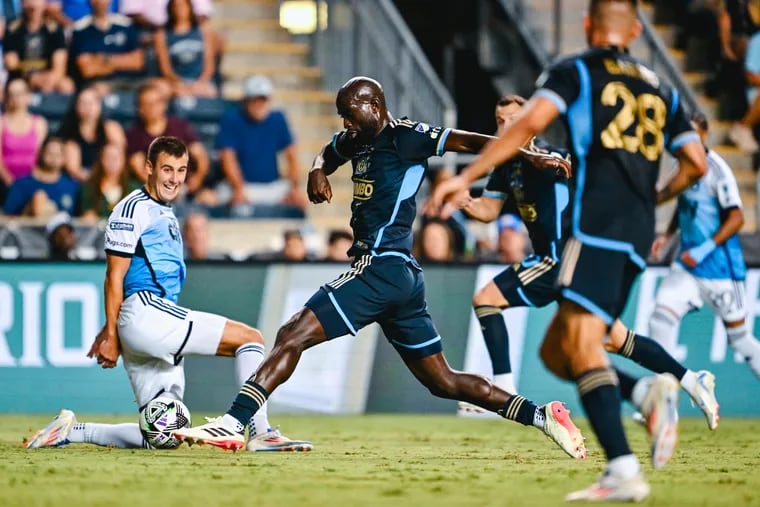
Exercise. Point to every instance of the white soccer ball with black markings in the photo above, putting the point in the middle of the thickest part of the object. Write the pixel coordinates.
(160, 418)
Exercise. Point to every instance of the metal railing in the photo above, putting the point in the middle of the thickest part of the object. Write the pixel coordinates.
(371, 39)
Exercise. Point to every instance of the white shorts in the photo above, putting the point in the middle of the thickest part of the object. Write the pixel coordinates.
(682, 292)
(155, 335)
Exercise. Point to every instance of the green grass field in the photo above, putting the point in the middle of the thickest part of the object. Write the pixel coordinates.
(373, 460)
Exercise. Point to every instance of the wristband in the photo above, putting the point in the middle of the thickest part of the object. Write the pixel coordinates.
(698, 253)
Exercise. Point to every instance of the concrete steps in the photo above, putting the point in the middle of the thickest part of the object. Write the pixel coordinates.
(255, 43)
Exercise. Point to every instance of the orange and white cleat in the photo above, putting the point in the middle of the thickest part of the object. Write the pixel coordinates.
(274, 441)
(56, 433)
(215, 433)
(660, 409)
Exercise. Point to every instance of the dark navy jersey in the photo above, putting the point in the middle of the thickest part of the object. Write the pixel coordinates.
(620, 117)
(387, 175)
(540, 197)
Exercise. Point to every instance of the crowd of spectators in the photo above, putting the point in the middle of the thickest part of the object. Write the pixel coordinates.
(148, 56)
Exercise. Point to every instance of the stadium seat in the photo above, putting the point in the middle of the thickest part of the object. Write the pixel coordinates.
(52, 106)
(120, 106)
(198, 109)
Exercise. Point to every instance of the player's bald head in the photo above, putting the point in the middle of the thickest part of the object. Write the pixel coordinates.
(361, 89)
(612, 22)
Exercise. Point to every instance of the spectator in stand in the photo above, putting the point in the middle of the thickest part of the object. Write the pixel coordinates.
(86, 132)
(105, 49)
(68, 12)
(195, 235)
(48, 189)
(107, 185)
(153, 14)
(62, 239)
(36, 50)
(741, 133)
(435, 242)
(294, 248)
(21, 133)
(338, 244)
(513, 239)
(153, 122)
(184, 52)
(249, 139)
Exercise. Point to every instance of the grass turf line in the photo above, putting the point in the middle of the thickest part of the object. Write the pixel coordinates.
(373, 460)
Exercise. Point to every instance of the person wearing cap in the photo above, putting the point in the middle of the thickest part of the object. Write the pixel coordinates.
(62, 238)
(249, 140)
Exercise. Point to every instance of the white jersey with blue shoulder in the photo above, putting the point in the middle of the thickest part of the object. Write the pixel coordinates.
(146, 230)
(701, 211)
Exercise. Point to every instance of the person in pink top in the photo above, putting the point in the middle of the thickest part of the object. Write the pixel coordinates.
(21, 133)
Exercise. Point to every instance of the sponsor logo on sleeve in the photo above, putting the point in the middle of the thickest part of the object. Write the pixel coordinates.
(122, 244)
(121, 226)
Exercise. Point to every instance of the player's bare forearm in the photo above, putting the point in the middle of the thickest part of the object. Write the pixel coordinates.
(483, 209)
(692, 165)
(462, 141)
(732, 224)
(325, 162)
(113, 289)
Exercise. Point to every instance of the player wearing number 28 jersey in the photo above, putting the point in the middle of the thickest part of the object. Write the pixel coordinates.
(621, 117)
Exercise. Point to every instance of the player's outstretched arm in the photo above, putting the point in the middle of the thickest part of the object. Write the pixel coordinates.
(483, 209)
(106, 346)
(534, 117)
(692, 165)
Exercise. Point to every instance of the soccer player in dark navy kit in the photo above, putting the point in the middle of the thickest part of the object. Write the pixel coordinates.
(620, 117)
(541, 198)
(385, 284)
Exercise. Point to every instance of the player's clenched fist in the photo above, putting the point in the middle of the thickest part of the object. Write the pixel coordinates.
(318, 187)
(106, 349)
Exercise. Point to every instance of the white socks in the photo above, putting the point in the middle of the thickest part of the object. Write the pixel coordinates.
(505, 381)
(248, 358)
(640, 390)
(539, 418)
(624, 467)
(689, 382)
(123, 436)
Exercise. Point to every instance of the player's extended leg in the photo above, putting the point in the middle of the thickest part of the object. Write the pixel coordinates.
(488, 304)
(246, 345)
(65, 429)
(553, 419)
(741, 340)
(650, 354)
(301, 332)
(572, 349)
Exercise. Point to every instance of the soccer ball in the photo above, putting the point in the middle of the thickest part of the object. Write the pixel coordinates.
(160, 417)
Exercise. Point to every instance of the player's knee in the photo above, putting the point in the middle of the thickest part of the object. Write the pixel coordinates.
(554, 359)
(252, 335)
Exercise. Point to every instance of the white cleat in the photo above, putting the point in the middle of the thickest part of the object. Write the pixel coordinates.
(559, 427)
(704, 398)
(56, 433)
(660, 408)
(274, 441)
(613, 489)
(215, 433)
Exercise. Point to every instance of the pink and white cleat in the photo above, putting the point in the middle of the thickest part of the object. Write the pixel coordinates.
(559, 427)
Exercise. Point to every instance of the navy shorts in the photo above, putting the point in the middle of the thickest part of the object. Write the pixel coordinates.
(532, 282)
(389, 289)
(597, 279)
